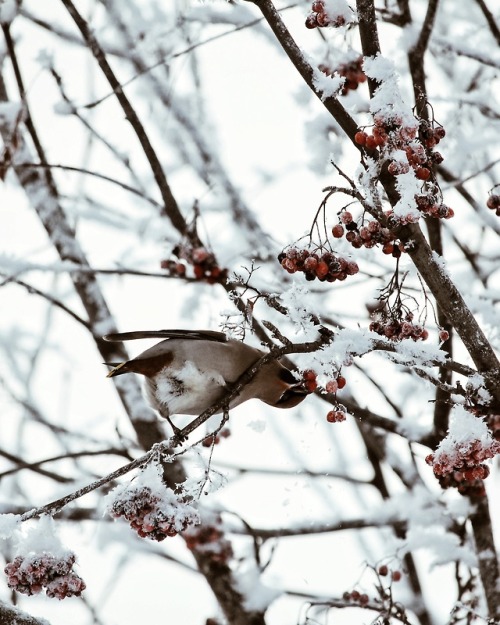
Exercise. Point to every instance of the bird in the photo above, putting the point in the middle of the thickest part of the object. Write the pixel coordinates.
(187, 372)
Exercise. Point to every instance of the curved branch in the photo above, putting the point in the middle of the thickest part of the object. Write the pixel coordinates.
(170, 207)
(294, 53)
(95, 174)
(490, 18)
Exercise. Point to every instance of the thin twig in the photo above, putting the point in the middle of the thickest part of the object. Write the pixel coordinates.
(170, 206)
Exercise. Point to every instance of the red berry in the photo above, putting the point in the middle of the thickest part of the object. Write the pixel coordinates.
(423, 173)
(311, 385)
(330, 417)
(338, 231)
(311, 21)
(393, 168)
(360, 137)
(444, 335)
(341, 381)
(288, 264)
(371, 142)
(396, 576)
(321, 269)
(309, 374)
(199, 271)
(493, 201)
(322, 19)
(331, 386)
(383, 570)
(346, 217)
(440, 132)
(340, 416)
(310, 263)
(200, 255)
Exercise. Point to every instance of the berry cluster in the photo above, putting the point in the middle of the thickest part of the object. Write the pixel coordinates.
(390, 132)
(310, 382)
(430, 205)
(209, 539)
(416, 145)
(356, 597)
(332, 386)
(396, 329)
(324, 266)
(351, 71)
(149, 516)
(368, 235)
(30, 574)
(214, 439)
(203, 262)
(383, 571)
(429, 134)
(337, 384)
(464, 469)
(396, 136)
(493, 203)
(319, 17)
(468, 486)
(336, 416)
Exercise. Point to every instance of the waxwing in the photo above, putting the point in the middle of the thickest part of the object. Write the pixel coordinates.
(186, 373)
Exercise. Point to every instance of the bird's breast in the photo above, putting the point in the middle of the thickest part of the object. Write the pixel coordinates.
(187, 390)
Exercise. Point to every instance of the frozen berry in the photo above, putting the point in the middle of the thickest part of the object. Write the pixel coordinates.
(312, 21)
(338, 231)
(321, 269)
(423, 173)
(332, 386)
(444, 335)
(360, 137)
(311, 263)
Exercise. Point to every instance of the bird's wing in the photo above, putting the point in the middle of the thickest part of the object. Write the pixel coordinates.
(206, 335)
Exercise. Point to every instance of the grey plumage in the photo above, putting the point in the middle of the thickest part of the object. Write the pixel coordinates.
(187, 371)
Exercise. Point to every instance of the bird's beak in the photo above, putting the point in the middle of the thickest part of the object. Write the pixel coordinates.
(293, 395)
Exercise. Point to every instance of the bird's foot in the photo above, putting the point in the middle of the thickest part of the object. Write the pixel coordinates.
(179, 437)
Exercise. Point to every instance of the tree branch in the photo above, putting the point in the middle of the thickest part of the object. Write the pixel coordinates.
(170, 207)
